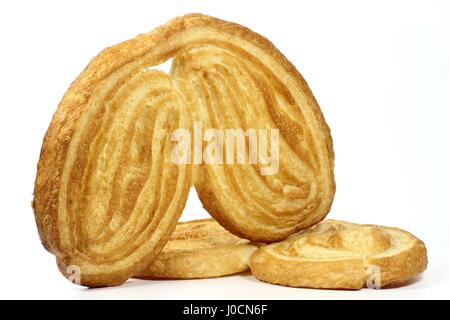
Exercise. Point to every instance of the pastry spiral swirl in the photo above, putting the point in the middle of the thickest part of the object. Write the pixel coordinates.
(118, 195)
(200, 249)
(107, 195)
(234, 78)
(341, 255)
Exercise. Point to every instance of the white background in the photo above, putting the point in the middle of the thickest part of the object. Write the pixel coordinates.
(380, 71)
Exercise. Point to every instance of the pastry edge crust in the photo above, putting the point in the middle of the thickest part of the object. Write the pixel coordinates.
(200, 263)
(228, 260)
(350, 274)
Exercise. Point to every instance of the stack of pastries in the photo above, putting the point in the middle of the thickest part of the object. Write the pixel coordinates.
(108, 195)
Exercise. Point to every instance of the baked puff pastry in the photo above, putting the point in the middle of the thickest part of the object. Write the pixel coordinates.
(234, 78)
(341, 255)
(107, 195)
(200, 249)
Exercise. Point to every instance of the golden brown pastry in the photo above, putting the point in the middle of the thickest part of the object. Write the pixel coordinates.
(200, 249)
(341, 255)
(107, 195)
(233, 78)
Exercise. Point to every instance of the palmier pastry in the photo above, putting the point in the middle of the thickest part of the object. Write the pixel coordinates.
(233, 78)
(107, 195)
(200, 249)
(341, 255)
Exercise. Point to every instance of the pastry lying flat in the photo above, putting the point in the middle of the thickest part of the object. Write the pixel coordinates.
(200, 249)
(341, 255)
(107, 192)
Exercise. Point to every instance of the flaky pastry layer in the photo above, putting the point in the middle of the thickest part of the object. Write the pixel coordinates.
(200, 249)
(341, 255)
(107, 195)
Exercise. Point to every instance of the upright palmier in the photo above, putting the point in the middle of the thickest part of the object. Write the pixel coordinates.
(234, 78)
(107, 195)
